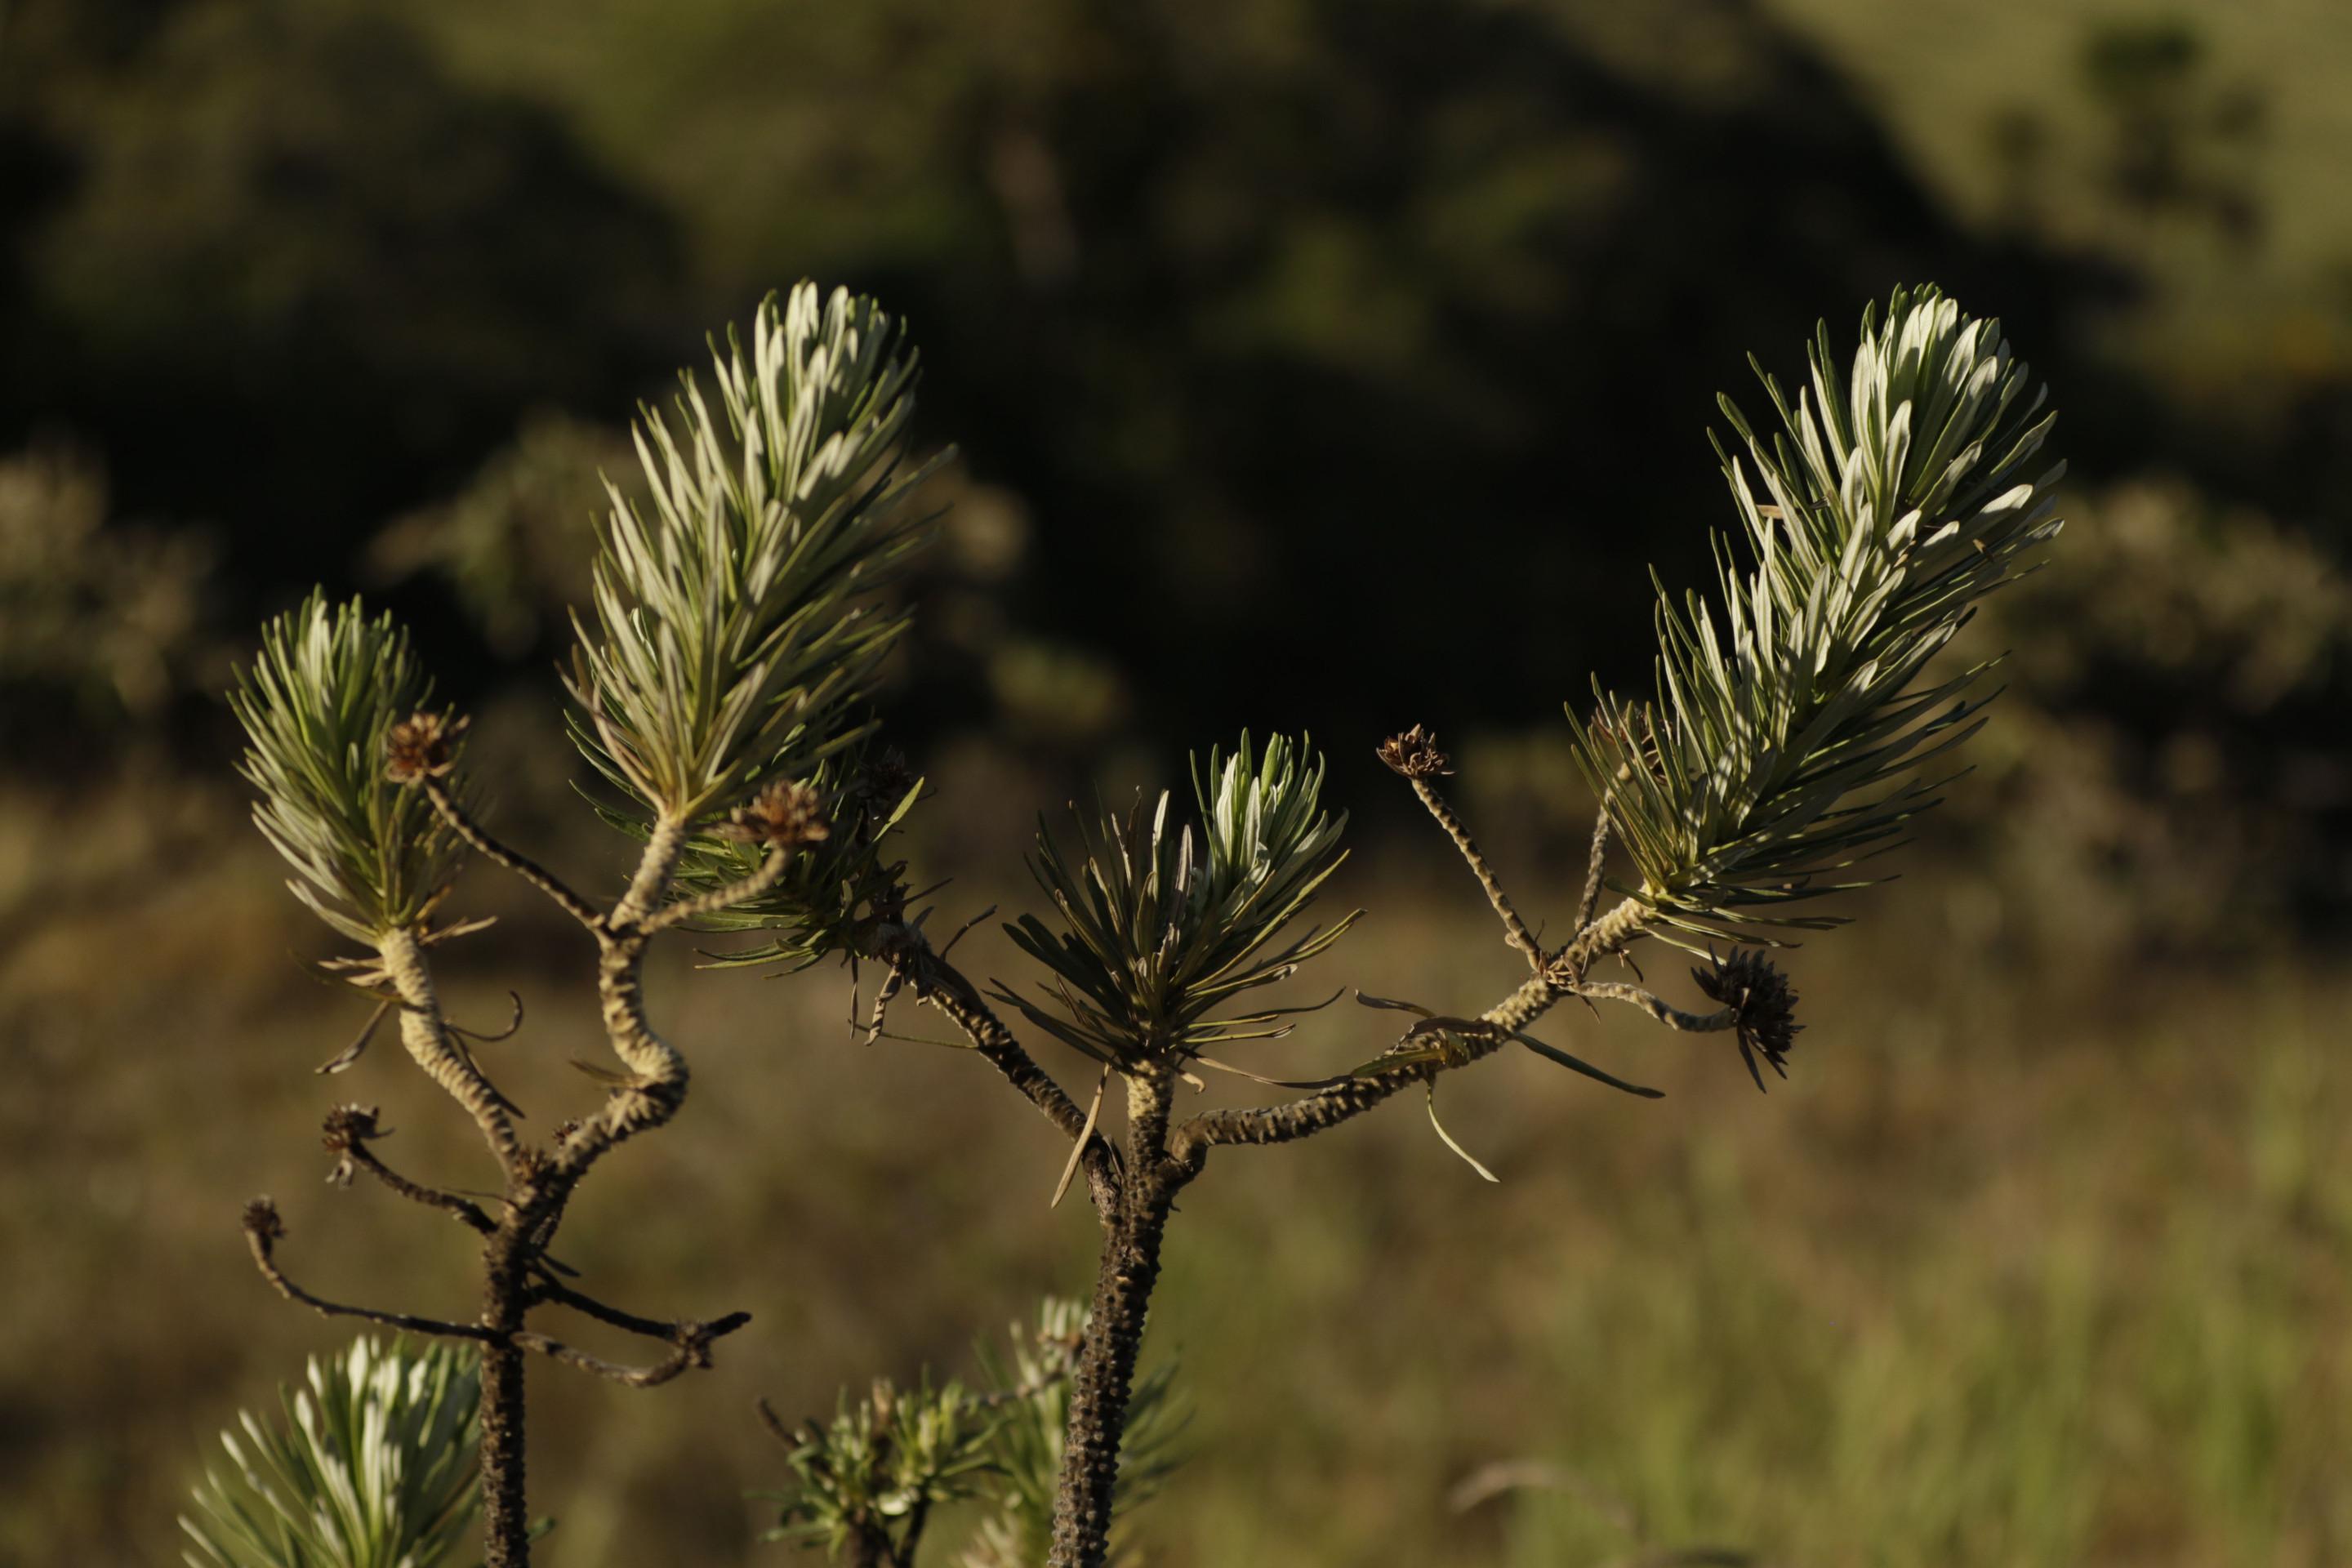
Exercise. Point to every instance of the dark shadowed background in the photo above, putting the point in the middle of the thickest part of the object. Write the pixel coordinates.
(1322, 365)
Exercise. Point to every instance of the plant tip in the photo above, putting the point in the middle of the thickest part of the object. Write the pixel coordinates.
(1414, 754)
(423, 746)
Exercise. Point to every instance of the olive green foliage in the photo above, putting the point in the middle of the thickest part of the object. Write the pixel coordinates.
(881, 1464)
(734, 616)
(316, 706)
(1162, 930)
(835, 887)
(869, 1479)
(1894, 499)
(372, 1466)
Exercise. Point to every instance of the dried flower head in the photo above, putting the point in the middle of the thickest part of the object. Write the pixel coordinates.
(786, 814)
(1415, 755)
(347, 1125)
(423, 746)
(1758, 993)
(261, 1221)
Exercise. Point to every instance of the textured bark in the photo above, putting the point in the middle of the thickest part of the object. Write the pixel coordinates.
(506, 1529)
(945, 987)
(1515, 929)
(427, 1036)
(1105, 1377)
(1327, 1109)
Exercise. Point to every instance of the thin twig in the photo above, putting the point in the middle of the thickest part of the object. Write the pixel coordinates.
(944, 986)
(690, 1350)
(465, 1210)
(670, 1333)
(262, 1230)
(772, 870)
(965, 930)
(1515, 929)
(462, 821)
(513, 1024)
(1505, 1021)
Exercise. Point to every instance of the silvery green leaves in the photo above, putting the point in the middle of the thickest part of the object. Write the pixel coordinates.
(734, 603)
(1891, 500)
(1164, 922)
(374, 1467)
(319, 706)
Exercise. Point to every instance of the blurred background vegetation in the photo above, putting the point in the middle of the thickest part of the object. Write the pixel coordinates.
(1334, 363)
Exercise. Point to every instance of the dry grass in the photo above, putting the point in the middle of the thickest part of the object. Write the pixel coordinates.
(2022, 1267)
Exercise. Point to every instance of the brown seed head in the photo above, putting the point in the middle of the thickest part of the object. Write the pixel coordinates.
(1415, 755)
(347, 1125)
(422, 746)
(1766, 1008)
(786, 814)
(261, 1221)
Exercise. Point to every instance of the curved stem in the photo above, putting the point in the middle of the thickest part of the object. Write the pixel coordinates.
(1673, 1017)
(689, 1348)
(771, 869)
(263, 1244)
(659, 1086)
(426, 1035)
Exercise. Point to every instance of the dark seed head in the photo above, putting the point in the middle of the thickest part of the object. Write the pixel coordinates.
(1415, 755)
(261, 1221)
(347, 1125)
(885, 779)
(1765, 1007)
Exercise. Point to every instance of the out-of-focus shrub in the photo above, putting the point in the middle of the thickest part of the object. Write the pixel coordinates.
(517, 543)
(2175, 774)
(112, 618)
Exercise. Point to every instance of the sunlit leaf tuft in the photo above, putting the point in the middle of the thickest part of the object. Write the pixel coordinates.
(1787, 715)
(735, 612)
(1164, 924)
(319, 708)
(374, 1467)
